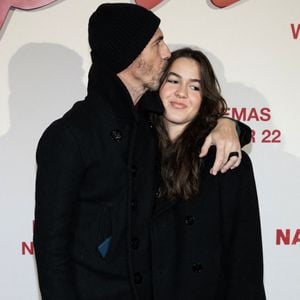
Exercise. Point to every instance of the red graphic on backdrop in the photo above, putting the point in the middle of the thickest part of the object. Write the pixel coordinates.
(255, 114)
(149, 4)
(246, 114)
(287, 237)
(223, 3)
(28, 247)
(5, 5)
(295, 31)
(152, 3)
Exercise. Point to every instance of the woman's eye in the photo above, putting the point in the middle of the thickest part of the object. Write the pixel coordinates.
(174, 81)
(195, 88)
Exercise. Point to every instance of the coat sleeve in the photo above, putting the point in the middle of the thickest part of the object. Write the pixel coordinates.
(59, 172)
(244, 133)
(243, 259)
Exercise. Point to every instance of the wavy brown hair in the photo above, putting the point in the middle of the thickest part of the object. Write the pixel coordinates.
(180, 162)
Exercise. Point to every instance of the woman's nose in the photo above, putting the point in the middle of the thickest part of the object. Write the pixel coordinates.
(181, 92)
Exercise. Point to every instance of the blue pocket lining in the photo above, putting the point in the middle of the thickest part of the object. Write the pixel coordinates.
(104, 246)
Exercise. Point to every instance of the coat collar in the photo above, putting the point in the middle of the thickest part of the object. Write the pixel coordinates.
(150, 102)
(105, 89)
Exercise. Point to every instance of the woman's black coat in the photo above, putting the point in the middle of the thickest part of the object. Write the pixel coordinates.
(210, 247)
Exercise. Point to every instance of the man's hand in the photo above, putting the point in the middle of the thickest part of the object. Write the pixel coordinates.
(224, 136)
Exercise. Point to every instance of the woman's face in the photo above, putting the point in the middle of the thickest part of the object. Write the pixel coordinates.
(181, 93)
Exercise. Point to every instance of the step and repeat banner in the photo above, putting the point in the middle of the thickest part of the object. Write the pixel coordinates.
(254, 46)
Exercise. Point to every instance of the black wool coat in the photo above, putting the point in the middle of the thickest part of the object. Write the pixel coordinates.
(210, 247)
(95, 187)
(97, 173)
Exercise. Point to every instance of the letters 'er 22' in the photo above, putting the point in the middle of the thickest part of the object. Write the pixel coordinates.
(6, 5)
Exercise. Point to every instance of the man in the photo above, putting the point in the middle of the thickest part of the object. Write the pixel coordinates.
(98, 165)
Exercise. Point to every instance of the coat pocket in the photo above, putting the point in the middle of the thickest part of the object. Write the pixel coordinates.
(104, 235)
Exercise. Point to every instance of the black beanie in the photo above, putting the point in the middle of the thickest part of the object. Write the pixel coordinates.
(119, 32)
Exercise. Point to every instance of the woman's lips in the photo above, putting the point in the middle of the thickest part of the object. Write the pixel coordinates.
(178, 105)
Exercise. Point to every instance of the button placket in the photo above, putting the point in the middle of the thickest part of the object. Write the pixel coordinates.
(138, 278)
(135, 243)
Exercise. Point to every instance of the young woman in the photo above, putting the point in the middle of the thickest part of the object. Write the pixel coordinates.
(206, 227)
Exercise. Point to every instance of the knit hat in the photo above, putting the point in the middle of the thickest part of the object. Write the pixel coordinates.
(119, 32)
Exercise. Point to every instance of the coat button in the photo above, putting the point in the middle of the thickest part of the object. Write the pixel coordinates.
(157, 194)
(197, 268)
(133, 170)
(138, 278)
(189, 220)
(116, 135)
(133, 204)
(135, 243)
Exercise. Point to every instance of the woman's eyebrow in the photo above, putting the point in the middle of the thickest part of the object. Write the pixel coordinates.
(177, 75)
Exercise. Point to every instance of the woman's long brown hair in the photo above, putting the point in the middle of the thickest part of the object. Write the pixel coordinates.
(180, 162)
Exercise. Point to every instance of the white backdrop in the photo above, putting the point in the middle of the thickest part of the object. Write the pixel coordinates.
(254, 46)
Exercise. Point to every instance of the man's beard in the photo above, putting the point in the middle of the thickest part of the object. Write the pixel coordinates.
(154, 84)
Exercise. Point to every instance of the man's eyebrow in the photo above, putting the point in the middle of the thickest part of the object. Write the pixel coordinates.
(177, 75)
(158, 39)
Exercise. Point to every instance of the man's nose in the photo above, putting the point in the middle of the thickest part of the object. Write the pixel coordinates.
(165, 51)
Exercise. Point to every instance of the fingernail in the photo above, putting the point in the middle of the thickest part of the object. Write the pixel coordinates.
(212, 172)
